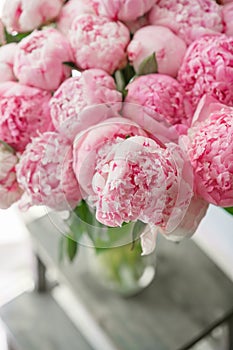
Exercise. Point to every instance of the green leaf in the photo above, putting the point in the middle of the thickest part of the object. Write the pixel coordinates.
(84, 215)
(8, 147)
(71, 65)
(67, 246)
(229, 210)
(122, 78)
(15, 38)
(137, 231)
(149, 65)
(83, 212)
(129, 73)
(121, 82)
(72, 248)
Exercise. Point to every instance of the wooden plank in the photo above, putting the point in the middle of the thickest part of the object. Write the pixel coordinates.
(36, 322)
(188, 297)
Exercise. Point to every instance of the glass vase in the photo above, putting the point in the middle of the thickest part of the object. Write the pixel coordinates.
(119, 265)
(113, 254)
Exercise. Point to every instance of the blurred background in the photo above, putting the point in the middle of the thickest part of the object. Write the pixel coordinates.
(214, 236)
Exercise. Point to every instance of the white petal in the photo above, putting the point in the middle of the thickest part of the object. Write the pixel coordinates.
(148, 239)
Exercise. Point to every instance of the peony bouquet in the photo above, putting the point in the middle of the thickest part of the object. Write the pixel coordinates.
(118, 111)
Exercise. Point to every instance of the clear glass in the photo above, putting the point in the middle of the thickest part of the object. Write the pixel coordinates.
(121, 267)
(113, 254)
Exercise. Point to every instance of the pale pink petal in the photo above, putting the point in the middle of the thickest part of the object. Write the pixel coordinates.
(40, 57)
(168, 48)
(148, 239)
(98, 42)
(188, 19)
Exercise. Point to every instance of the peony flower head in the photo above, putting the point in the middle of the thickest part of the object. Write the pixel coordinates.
(211, 154)
(168, 48)
(24, 111)
(7, 55)
(10, 191)
(95, 91)
(187, 18)
(45, 173)
(98, 42)
(70, 10)
(163, 97)
(40, 57)
(94, 144)
(133, 186)
(123, 10)
(24, 15)
(208, 69)
(127, 176)
(143, 181)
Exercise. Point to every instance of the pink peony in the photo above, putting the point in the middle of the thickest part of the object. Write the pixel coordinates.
(71, 10)
(123, 10)
(143, 181)
(208, 68)
(93, 87)
(94, 144)
(7, 55)
(130, 178)
(9, 188)
(24, 15)
(45, 173)
(39, 59)
(227, 12)
(133, 184)
(187, 18)
(163, 96)
(23, 112)
(211, 154)
(169, 49)
(99, 43)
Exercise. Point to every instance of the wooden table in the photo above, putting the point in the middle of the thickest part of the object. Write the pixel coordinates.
(189, 297)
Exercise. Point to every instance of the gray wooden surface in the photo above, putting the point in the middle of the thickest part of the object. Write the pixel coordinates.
(188, 297)
(36, 322)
